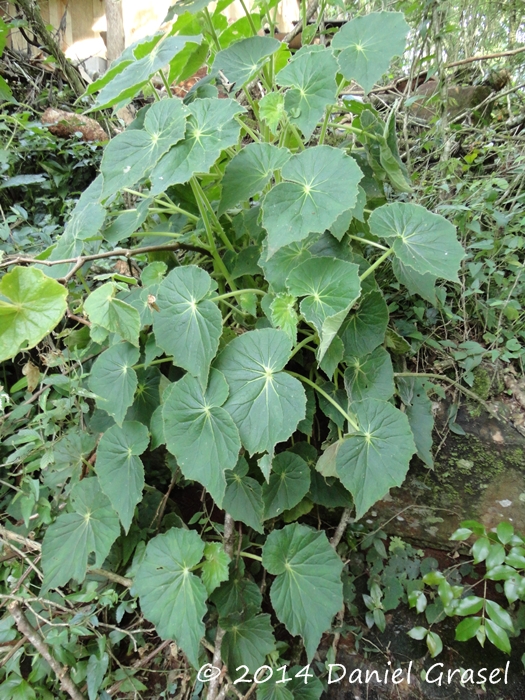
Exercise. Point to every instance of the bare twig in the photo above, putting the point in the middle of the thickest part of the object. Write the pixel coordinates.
(140, 663)
(24, 627)
(310, 12)
(485, 57)
(343, 524)
(228, 537)
(117, 252)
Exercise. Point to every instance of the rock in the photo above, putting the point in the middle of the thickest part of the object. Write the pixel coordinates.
(479, 475)
(65, 124)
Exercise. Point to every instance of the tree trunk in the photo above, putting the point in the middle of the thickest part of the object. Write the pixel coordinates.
(115, 37)
(48, 43)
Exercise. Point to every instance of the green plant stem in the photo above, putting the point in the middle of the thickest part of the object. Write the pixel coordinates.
(154, 362)
(166, 84)
(249, 17)
(377, 263)
(211, 28)
(294, 131)
(222, 234)
(247, 129)
(237, 293)
(367, 242)
(221, 267)
(250, 101)
(251, 556)
(330, 108)
(354, 130)
(304, 343)
(327, 396)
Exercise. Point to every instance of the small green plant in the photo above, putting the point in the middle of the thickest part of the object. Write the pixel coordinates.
(502, 553)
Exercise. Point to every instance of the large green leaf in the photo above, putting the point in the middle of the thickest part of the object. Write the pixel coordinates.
(105, 310)
(247, 641)
(249, 172)
(370, 377)
(311, 77)
(188, 324)
(289, 484)
(322, 184)
(419, 413)
(147, 395)
(415, 282)
(243, 498)
(376, 458)
(307, 591)
(243, 59)
(171, 597)
(368, 44)
(201, 434)
(330, 287)
(424, 241)
(211, 128)
(153, 54)
(114, 380)
(120, 469)
(31, 305)
(366, 326)
(265, 403)
(130, 156)
(91, 527)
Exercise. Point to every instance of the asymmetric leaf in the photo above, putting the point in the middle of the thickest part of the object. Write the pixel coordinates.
(243, 59)
(211, 127)
(247, 641)
(330, 287)
(422, 240)
(368, 45)
(271, 109)
(137, 73)
(31, 305)
(311, 77)
(188, 325)
(249, 172)
(322, 185)
(373, 460)
(289, 483)
(130, 156)
(119, 468)
(201, 434)
(113, 314)
(365, 328)
(265, 403)
(114, 380)
(307, 569)
(419, 413)
(171, 597)
(238, 594)
(370, 377)
(92, 527)
(243, 497)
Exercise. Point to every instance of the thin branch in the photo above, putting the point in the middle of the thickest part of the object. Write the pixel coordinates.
(310, 12)
(118, 252)
(24, 627)
(485, 57)
(343, 524)
(140, 663)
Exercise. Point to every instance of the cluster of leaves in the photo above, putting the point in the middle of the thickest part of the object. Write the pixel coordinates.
(503, 555)
(264, 311)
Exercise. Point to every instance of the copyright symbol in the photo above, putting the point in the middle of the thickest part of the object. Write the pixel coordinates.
(208, 673)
